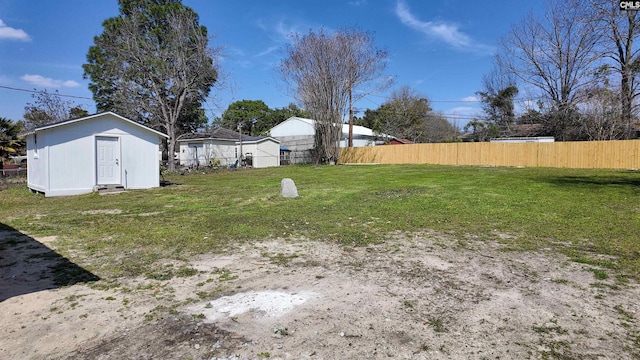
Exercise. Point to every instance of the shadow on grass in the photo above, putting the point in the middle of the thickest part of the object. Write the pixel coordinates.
(28, 266)
(596, 181)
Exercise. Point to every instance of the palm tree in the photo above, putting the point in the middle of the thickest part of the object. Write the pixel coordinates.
(9, 139)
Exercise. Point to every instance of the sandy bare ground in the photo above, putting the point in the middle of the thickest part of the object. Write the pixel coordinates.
(416, 296)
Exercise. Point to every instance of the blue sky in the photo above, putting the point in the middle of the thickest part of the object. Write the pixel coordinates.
(440, 48)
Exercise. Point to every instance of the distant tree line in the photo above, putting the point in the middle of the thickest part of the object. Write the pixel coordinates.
(577, 69)
(408, 115)
(254, 117)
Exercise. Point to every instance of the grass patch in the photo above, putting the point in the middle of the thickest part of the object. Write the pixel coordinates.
(583, 259)
(437, 324)
(549, 328)
(593, 212)
(599, 274)
(280, 258)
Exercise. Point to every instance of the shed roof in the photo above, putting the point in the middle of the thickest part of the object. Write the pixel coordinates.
(90, 117)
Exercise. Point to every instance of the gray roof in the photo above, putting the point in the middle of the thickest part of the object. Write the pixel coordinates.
(221, 134)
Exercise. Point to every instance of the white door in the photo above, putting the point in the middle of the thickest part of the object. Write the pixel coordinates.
(108, 160)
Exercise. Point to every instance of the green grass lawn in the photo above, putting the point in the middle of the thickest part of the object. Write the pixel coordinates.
(582, 213)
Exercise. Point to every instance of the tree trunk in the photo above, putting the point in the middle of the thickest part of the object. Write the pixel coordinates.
(625, 53)
(350, 118)
(171, 144)
(627, 98)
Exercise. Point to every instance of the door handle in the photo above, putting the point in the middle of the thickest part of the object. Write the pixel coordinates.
(117, 162)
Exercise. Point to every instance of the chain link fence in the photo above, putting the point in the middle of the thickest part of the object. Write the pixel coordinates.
(12, 177)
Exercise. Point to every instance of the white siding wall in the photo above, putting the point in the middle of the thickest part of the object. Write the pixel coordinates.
(208, 149)
(265, 153)
(140, 159)
(357, 142)
(37, 169)
(71, 160)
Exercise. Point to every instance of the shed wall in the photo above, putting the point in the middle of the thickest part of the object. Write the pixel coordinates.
(265, 153)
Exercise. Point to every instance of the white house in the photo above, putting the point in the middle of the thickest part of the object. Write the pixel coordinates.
(222, 146)
(296, 136)
(80, 155)
(524, 139)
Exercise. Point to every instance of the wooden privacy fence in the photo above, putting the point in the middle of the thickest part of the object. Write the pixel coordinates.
(618, 154)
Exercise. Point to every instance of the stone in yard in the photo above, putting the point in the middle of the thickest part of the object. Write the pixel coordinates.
(288, 188)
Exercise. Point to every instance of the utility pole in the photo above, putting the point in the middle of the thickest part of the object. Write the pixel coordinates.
(240, 131)
(350, 117)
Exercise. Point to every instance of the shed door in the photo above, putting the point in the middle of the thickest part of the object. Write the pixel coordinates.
(196, 154)
(107, 160)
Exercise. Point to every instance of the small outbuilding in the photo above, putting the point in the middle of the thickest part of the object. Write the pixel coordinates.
(81, 155)
(224, 147)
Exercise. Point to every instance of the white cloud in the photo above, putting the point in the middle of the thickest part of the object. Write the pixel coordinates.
(357, 2)
(10, 33)
(461, 115)
(41, 81)
(70, 83)
(442, 31)
(463, 111)
(267, 51)
(285, 32)
(471, 99)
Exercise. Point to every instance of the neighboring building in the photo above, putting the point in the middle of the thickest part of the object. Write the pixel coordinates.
(222, 147)
(296, 137)
(515, 131)
(79, 156)
(523, 139)
(399, 141)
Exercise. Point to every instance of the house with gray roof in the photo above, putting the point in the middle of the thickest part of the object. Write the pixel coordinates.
(224, 147)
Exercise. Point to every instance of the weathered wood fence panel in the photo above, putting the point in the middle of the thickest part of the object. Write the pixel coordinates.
(620, 154)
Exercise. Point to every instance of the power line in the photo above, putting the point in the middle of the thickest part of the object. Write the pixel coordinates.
(40, 91)
(452, 116)
(373, 95)
(451, 101)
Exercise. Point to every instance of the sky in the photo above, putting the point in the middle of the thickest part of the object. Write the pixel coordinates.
(439, 48)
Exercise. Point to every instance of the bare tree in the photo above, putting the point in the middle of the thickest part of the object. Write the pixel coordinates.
(601, 115)
(620, 28)
(497, 79)
(325, 70)
(407, 114)
(151, 63)
(556, 55)
(49, 108)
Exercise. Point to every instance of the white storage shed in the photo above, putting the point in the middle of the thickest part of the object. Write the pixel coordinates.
(81, 155)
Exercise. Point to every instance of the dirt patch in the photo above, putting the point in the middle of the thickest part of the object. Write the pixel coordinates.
(419, 296)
